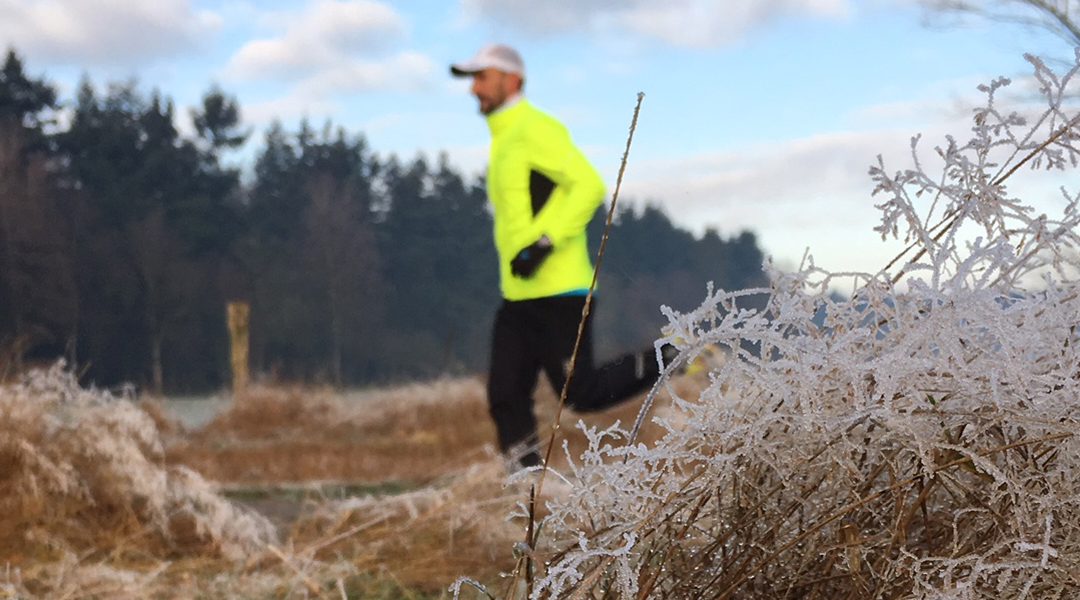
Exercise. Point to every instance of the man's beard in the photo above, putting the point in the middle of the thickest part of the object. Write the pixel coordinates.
(490, 105)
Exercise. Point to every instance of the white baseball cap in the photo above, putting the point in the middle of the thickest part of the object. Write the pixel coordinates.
(494, 56)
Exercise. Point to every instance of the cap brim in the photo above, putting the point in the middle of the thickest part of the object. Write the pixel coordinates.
(462, 70)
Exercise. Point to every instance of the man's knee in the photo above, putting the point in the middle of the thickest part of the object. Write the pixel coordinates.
(581, 393)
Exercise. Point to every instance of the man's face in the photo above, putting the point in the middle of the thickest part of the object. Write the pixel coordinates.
(492, 87)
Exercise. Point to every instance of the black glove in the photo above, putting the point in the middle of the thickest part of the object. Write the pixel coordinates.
(529, 259)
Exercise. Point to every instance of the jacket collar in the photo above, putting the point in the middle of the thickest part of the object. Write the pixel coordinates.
(507, 114)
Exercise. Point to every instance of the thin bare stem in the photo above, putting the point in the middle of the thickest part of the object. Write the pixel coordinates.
(538, 490)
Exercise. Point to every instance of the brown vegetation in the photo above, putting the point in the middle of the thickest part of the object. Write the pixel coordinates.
(410, 434)
(381, 493)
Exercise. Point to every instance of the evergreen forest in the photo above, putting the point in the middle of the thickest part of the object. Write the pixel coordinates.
(122, 239)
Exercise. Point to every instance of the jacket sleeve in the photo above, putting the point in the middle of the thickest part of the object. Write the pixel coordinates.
(579, 190)
(578, 187)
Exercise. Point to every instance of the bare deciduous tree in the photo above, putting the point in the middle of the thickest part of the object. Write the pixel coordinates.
(1060, 17)
(343, 257)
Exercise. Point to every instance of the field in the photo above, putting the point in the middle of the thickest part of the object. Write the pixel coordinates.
(916, 438)
(287, 492)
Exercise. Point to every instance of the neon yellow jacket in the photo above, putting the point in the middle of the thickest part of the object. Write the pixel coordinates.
(539, 184)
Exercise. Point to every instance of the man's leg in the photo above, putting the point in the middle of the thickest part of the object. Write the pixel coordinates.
(591, 388)
(511, 381)
(614, 382)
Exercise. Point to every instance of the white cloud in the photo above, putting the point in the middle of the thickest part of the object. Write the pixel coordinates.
(544, 17)
(740, 186)
(288, 109)
(696, 23)
(105, 31)
(704, 23)
(812, 192)
(815, 192)
(404, 71)
(316, 96)
(328, 49)
(949, 100)
(327, 34)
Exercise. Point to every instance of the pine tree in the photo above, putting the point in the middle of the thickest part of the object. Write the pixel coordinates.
(37, 295)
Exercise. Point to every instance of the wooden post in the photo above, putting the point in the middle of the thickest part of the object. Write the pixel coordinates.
(239, 313)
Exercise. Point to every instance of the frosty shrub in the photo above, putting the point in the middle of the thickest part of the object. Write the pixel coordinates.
(917, 440)
(83, 471)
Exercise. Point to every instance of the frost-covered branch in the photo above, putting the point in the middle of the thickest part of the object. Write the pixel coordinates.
(916, 440)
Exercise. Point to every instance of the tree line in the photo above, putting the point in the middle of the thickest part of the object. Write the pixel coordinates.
(122, 239)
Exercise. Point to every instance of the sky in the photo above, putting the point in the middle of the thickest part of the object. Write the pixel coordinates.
(759, 115)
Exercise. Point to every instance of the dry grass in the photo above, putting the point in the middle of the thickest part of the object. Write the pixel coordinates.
(422, 539)
(400, 492)
(411, 434)
(86, 488)
(922, 444)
